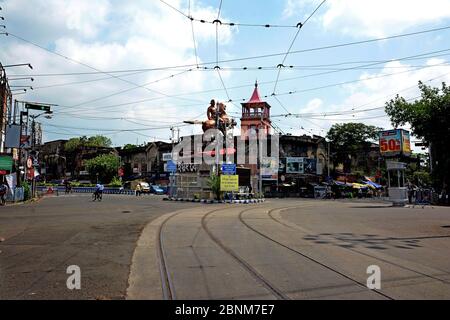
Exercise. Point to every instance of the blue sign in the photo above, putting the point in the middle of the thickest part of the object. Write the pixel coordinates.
(229, 168)
(171, 166)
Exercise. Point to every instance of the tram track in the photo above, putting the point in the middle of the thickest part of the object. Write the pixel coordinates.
(241, 219)
(270, 214)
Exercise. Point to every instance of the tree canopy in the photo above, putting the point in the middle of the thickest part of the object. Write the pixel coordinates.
(104, 166)
(94, 141)
(429, 118)
(349, 139)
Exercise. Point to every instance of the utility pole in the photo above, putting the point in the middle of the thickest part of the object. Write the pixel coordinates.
(328, 158)
(172, 174)
(261, 126)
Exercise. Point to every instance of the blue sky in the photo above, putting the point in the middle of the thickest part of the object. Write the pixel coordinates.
(117, 35)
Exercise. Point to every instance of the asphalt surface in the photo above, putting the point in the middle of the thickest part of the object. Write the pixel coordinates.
(42, 239)
(146, 248)
(296, 249)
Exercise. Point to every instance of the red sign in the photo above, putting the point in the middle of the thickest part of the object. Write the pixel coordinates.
(3, 172)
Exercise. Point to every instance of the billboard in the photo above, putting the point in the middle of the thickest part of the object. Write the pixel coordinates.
(12, 139)
(294, 165)
(309, 166)
(269, 168)
(394, 142)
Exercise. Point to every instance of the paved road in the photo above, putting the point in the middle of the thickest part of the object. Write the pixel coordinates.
(282, 249)
(296, 249)
(44, 238)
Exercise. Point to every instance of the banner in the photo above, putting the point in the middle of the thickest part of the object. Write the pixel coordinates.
(11, 181)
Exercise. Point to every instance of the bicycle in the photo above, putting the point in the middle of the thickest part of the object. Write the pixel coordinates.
(96, 196)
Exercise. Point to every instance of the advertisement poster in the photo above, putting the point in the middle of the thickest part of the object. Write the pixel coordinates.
(309, 166)
(390, 142)
(269, 168)
(294, 165)
(406, 140)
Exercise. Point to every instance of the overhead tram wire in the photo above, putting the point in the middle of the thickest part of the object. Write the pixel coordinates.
(300, 26)
(231, 24)
(193, 36)
(124, 91)
(243, 58)
(245, 68)
(293, 92)
(90, 67)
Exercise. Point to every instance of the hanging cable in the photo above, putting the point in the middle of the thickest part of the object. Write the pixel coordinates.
(300, 25)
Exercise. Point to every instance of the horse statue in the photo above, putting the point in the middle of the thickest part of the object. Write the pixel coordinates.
(216, 111)
(219, 111)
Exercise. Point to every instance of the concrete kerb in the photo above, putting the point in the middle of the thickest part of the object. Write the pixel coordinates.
(144, 280)
(208, 201)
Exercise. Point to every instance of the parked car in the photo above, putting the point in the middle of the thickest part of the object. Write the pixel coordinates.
(156, 189)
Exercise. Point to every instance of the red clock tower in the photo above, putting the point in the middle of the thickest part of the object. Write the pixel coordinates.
(255, 115)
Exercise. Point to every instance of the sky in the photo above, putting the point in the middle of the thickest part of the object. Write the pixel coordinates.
(130, 70)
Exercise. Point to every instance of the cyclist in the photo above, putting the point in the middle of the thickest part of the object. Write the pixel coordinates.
(98, 191)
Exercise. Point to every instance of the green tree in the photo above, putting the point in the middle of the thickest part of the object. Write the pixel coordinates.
(104, 167)
(129, 146)
(429, 118)
(94, 141)
(348, 140)
(214, 183)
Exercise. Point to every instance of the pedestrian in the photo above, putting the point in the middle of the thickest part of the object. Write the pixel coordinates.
(138, 189)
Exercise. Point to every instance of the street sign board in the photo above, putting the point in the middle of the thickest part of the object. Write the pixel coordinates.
(228, 169)
(229, 183)
(171, 166)
(37, 107)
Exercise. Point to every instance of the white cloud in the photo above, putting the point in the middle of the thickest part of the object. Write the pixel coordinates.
(373, 18)
(113, 35)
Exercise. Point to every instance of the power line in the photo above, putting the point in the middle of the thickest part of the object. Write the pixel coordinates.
(300, 25)
(340, 45)
(88, 66)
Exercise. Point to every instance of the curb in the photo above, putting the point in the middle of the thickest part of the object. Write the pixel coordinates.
(208, 201)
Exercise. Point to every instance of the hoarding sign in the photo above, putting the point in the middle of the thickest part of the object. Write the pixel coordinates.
(309, 166)
(294, 165)
(12, 139)
(269, 168)
(406, 141)
(229, 183)
(390, 142)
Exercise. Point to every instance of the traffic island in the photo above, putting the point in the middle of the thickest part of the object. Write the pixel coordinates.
(209, 201)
